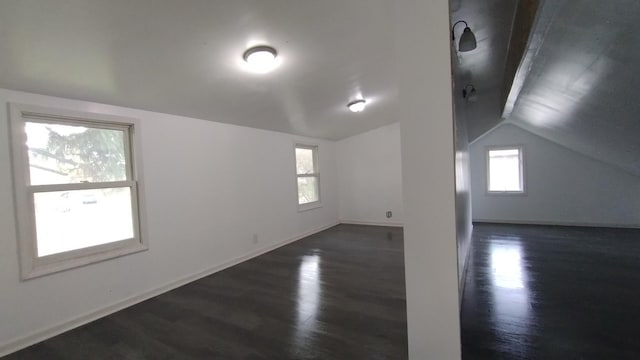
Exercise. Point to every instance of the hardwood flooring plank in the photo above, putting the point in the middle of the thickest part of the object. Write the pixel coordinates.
(552, 292)
(338, 294)
(531, 292)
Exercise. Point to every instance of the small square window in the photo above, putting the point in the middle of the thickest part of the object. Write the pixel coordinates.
(308, 175)
(505, 170)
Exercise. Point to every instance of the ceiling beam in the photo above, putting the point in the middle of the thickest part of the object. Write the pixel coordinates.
(518, 61)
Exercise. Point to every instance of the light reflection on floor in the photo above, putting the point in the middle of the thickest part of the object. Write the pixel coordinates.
(511, 310)
(309, 297)
(506, 264)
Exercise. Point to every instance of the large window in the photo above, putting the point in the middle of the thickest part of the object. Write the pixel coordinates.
(505, 174)
(308, 176)
(77, 188)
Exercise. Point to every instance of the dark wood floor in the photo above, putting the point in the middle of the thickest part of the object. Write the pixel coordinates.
(338, 294)
(539, 292)
(532, 292)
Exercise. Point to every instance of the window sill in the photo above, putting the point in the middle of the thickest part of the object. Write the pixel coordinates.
(507, 193)
(309, 206)
(38, 270)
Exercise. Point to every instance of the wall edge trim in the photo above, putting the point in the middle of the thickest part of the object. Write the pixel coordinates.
(372, 223)
(462, 279)
(40, 335)
(556, 223)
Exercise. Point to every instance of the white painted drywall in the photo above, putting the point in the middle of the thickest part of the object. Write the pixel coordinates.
(563, 186)
(209, 187)
(462, 115)
(423, 66)
(370, 181)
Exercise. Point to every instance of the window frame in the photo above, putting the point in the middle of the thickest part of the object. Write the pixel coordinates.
(521, 164)
(316, 174)
(32, 266)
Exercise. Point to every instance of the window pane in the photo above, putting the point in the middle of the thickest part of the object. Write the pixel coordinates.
(304, 161)
(71, 220)
(504, 170)
(63, 154)
(307, 190)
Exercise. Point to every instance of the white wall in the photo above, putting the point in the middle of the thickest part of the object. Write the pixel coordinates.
(463, 180)
(209, 187)
(370, 181)
(563, 186)
(423, 66)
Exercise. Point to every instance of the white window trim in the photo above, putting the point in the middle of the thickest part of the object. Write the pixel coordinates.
(32, 266)
(522, 170)
(316, 174)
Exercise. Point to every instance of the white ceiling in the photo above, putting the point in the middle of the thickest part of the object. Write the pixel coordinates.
(490, 20)
(582, 86)
(580, 89)
(185, 57)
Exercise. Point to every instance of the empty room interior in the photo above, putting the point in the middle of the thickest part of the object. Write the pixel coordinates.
(360, 179)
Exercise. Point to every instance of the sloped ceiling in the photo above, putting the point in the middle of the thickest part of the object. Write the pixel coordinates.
(184, 57)
(579, 89)
(483, 67)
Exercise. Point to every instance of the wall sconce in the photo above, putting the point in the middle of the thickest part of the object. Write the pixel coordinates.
(469, 93)
(467, 39)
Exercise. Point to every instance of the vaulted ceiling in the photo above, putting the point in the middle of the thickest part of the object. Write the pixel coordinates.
(491, 22)
(185, 57)
(580, 91)
(577, 80)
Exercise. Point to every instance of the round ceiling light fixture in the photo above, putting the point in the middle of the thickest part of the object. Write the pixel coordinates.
(261, 59)
(357, 106)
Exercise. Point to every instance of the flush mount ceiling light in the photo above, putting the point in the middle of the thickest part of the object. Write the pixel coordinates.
(357, 106)
(261, 58)
(467, 39)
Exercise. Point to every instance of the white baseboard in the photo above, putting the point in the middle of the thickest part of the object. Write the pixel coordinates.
(41, 335)
(374, 223)
(557, 223)
(462, 280)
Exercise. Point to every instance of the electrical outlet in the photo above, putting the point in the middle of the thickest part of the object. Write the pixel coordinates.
(255, 238)
(389, 214)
